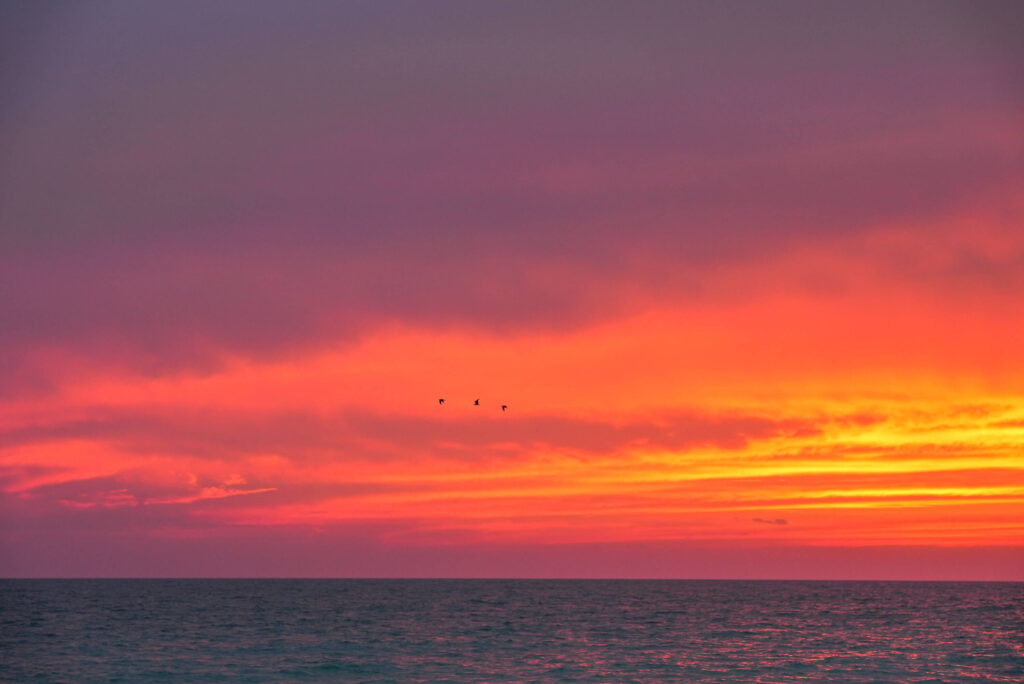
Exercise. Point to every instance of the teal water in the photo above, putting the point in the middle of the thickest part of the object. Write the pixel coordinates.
(509, 630)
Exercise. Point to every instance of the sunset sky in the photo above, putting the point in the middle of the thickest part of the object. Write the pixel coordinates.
(748, 276)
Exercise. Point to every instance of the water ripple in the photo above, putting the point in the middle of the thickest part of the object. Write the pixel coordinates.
(509, 630)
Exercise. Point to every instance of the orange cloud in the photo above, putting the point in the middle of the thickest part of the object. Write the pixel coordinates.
(873, 412)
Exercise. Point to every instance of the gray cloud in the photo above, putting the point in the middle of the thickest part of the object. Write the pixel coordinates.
(776, 521)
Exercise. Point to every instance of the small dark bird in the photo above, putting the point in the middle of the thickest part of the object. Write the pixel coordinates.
(476, 402)
(503, 407)
(440, 401)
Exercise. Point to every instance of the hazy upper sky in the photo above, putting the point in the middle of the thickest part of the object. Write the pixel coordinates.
(749, 276)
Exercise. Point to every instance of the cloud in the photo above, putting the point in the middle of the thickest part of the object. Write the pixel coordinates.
(214, 492)
(776, 521)
(382, 169)
(356, 434)
(135, 488)
(13, 475)
(822, 210)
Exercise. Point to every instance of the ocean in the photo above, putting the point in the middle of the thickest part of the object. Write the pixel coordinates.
(305, 630)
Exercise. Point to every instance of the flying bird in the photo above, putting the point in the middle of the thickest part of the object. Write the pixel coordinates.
(440, 401)
(476, 402)
(503, 407)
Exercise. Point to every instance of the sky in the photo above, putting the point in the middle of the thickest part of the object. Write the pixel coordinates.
(749, 278)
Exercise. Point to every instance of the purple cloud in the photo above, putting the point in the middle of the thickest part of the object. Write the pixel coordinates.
(182, 181)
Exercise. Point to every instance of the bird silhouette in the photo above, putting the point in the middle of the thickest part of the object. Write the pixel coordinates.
(440, 401)
(503, 407)
(476, 402)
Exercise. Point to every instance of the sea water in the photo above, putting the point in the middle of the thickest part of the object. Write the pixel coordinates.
(509, 630)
